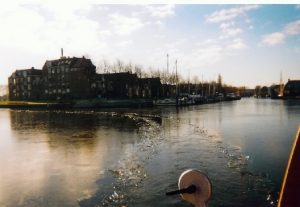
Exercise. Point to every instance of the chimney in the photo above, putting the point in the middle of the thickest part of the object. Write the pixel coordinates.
(62, 52)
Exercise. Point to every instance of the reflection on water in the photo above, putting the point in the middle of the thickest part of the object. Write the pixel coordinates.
(131, 158)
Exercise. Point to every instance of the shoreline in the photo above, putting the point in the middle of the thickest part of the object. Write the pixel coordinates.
(94, 104)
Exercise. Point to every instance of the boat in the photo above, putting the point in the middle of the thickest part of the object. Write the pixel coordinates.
(232, 97)
(290, 191)
(166, 102)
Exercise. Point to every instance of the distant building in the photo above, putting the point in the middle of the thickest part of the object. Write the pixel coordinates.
(169, 90)
(69, 78)
(150, 88)
(117, 85)
(264, 92)
(292, 89)
(76, 78)
(26, 84)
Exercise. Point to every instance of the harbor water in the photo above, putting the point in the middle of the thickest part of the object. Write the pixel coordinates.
(131, 157)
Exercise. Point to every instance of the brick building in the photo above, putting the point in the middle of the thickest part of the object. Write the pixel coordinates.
(292, 89)
(150, 88)
(26, 84)
(117, 85)
(76, 78)
(68, 78)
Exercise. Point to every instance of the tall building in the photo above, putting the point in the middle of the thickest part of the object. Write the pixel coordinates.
(26, 84)
(68, 78)
(117, 85)
(292, 89)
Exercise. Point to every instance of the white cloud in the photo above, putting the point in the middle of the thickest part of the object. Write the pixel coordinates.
(274, 38)
(226, 25)
(124, 43)
(124, 25)
(229, 14)
(229, 30)
(161, 11)
(292, 28)
(237, 44)
(28, 29)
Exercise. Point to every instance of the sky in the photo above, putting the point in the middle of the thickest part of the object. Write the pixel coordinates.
(248, 45)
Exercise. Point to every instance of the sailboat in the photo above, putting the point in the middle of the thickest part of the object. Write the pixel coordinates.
(169, 101)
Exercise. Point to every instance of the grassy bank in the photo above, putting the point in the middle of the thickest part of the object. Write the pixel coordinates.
(33, 105)
(7, 103)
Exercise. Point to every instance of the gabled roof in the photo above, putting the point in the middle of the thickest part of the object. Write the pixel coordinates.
(151, 80)
(118, 76)
(31, 71)
(293, 82)
(73, 62)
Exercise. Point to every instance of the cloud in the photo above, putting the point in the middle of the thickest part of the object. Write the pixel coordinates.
(124, 43)
(292, 28)
(229, 14)
(124, 25)
(161, 11)
(229, 30)
(273, 38)
(29, 29)
(237, 44)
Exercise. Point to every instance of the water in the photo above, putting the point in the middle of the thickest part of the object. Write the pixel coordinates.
(132, 157)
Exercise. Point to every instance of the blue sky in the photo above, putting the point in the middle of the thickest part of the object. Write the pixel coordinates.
(247, 44)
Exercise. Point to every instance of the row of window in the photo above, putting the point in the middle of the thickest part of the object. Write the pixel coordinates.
(22, 87)
(23, 80)
(23, 94)
(54, 70)
(58, 91)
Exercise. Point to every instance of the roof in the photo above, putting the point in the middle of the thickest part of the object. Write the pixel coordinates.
(73, 62)
(293, 82)
(118, 76)
(31, 71)
(155, 80)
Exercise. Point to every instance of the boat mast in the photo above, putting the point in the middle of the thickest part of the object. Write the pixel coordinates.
(176, 78)
(167, 63)
(281, 85)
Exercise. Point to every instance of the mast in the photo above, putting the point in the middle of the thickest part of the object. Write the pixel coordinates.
(167, 63)
(281, 85)
(202, 85)
(189, 88)
(176, 78)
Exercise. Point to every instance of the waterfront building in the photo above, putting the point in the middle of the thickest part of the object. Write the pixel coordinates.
(75, 78)
(150, 88)
(116, 85)
(169, 90)
(292, 89)
(26, 84)
(68, 78)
